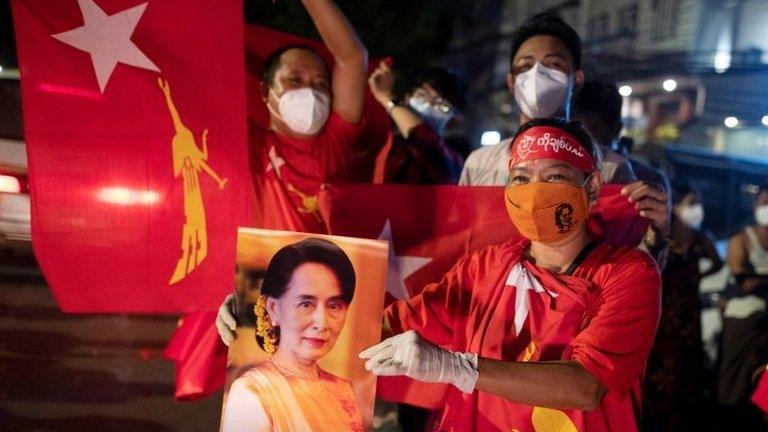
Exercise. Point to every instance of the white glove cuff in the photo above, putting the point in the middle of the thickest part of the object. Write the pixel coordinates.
(465, 371)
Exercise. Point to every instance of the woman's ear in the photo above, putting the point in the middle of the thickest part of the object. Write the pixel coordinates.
(273, 309)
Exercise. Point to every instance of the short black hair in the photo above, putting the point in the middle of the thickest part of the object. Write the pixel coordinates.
(272, 62)
(573, 128)
(314, 250)
(451, 86)
(681, 188)
(599, 98)
(549, 25)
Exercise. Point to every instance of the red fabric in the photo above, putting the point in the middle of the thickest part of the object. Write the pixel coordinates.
(545, 142)
(760, 396)
(604, 316)
(108, 194)
(422, 158)
(288, 174)
(199, 357)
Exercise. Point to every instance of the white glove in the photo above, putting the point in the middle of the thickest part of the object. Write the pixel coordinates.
(225, 321)
(410, 355)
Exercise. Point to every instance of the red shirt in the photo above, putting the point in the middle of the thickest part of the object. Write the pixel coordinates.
(289, 172)
(604, 317)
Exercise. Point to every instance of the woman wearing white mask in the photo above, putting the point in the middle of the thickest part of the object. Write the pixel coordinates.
(416, 152)
(673, 381)
(744, 341)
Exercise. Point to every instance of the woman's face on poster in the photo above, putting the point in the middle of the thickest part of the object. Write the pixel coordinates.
(311, 312)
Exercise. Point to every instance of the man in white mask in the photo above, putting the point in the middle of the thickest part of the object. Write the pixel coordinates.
(314, 121)
(545, 71)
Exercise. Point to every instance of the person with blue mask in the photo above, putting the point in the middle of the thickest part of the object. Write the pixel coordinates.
(416, 152)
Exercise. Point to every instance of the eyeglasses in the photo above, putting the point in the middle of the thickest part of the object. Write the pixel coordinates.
(421, 96)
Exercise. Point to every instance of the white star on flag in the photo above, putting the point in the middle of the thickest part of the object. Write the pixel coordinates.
(275, 161)
(523, 282)
(107, 38)
(399, 267)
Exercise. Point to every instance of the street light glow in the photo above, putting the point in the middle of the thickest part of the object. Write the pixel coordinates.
(722, 61)
(669, 85)
(490, 138)
(731, 122)
(765, 120)
(625, 90)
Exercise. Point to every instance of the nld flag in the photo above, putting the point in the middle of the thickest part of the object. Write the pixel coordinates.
(134, 115)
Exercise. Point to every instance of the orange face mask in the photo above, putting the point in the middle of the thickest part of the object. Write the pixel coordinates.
(546, 212)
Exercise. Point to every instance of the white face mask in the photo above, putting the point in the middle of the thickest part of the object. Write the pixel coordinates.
(303, 110)
(541, 91)
(761, 215)
(436, 119)
(692, 215)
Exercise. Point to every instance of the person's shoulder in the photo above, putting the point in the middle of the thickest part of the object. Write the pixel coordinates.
(488, 154)
(338, 124)
(258, 374)
(624, 258)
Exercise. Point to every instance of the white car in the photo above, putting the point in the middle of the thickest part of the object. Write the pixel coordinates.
(15, 233)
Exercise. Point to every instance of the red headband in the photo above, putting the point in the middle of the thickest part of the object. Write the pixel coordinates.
(546, 142)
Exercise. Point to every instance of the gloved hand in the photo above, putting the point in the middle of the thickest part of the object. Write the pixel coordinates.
(225, 320)
(410, 355)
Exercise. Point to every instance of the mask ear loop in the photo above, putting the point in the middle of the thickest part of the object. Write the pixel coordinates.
(269, 107)
(592, 197)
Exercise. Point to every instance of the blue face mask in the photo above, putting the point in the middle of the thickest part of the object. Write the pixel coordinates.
(435, 117)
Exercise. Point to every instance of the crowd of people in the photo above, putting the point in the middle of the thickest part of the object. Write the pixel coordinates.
(607, 339)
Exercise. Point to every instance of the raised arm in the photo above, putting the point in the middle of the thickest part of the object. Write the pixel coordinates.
(348, 78)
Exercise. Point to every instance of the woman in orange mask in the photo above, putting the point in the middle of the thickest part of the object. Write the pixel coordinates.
(547, 331)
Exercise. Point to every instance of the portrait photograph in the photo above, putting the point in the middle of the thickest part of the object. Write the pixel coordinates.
(306, 306)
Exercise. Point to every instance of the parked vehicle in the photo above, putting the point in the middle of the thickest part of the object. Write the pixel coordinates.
(15, 233)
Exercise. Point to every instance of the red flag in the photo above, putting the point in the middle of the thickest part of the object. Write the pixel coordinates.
(135, 124)
(760, 396)
(199, 356)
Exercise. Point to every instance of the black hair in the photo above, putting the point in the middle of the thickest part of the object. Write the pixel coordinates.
(573, 128)
(599, 98)
(272, 62)
(681, 188)
(449, 84)
(550, 25)
(313, 250)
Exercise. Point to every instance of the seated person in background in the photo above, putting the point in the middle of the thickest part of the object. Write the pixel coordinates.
(744, 338)
(418, 154)
(547, 331)
(305, 295)
(674, 380)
